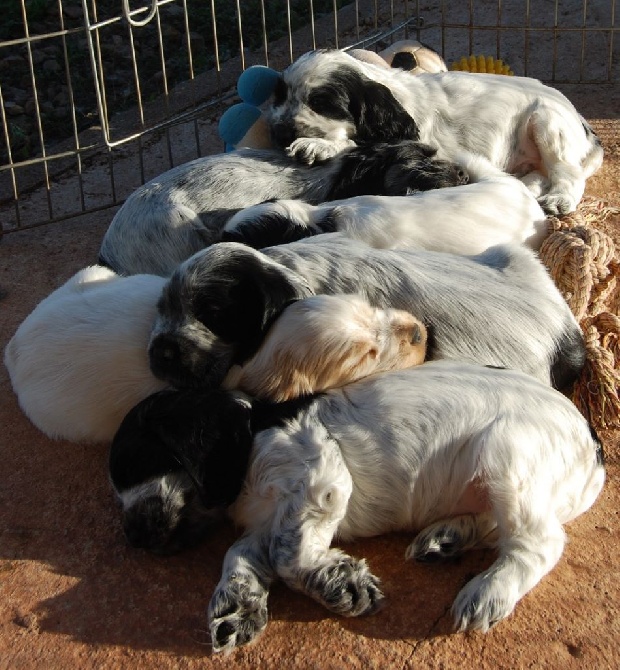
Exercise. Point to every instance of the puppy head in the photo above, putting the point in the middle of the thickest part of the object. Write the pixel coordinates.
(328, 94)
(327, 341)
(214, 312)
(399, 168)
(176, 463)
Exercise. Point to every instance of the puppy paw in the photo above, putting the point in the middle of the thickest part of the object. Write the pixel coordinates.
(346, 587)
(237, 615)
(438, 542)
(482, 602)
(311, 150)
(557, 204)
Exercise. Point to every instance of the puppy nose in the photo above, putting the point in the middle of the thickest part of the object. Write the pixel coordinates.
(462, 176)
(164, 350)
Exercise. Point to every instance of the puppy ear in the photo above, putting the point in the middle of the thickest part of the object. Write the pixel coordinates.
(248, 292)
(206, 434)
(217, 445)
(379, 117)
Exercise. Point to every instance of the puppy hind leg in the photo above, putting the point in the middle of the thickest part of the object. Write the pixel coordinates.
(449, 538)
(237, 613)
(524, 559)
(561, 163)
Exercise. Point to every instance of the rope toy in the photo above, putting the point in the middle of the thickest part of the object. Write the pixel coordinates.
(583, 262)
(486, 64)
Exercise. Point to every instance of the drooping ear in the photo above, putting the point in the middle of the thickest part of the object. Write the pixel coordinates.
(379, 117)
(245, 293)
(216, 447)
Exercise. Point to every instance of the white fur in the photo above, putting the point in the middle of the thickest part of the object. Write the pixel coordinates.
(78, 363)
(518, 123)
(494, 208)
(470, 456)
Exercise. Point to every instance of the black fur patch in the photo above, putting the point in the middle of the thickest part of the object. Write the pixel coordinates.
(600, 452)
(207, 434)
(268, 415)
(266, 231)
(569, 359)
(393, 168)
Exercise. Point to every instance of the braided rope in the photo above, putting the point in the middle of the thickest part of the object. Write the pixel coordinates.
(583, 263)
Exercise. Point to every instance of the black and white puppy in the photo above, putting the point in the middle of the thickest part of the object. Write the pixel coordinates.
(463, 455)
(493, 208)
(497, 308)
(183, 210)
(328, 100)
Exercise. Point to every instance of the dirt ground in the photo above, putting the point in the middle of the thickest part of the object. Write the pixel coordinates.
(73, 594)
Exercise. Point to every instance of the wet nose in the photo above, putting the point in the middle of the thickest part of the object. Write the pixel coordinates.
(164, 352)
(462, 176)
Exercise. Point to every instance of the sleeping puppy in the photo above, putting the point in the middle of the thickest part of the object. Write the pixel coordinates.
(327, 100)
(317, 343)
(494, 208)
(183, 210)
(78, 363)
(497, 308)
(462, 455)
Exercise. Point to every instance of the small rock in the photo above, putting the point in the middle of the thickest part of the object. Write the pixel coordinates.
(51, 66)
(13, 109)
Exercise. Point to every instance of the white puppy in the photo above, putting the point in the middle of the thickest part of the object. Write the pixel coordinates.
(78, 363)
(327, 100)
(494, 208)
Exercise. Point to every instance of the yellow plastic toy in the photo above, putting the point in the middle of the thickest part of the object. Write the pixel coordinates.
(486, 64)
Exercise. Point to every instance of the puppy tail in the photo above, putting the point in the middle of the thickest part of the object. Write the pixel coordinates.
(594, 158)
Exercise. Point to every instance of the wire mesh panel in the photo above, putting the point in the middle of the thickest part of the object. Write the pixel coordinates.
(98, 96)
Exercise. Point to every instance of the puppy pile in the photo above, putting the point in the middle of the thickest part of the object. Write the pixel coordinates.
(344, 336)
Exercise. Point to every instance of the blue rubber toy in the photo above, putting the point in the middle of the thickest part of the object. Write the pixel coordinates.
(242, 124)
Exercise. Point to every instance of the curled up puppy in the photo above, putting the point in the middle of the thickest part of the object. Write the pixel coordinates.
(183, 210)
(493, 208)
(500, 307)
(78, 363)
(464, 456)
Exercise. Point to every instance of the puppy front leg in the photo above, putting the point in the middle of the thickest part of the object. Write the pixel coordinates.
(237, 612)
(310, 150)
(300, 548)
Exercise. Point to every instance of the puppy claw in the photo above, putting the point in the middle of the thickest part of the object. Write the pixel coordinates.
(557, 205)
(236, 618)
(312, 150)
(347, 588)
(481, 603)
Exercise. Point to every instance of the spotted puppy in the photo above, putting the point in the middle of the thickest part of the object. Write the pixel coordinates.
(497, 308)
(327, 101)
(184, 210)
(464, 456)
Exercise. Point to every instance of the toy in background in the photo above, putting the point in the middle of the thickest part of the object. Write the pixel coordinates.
(243, 124)
(484, 64)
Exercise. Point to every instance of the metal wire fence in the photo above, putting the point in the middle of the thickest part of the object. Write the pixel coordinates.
(97, 96)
